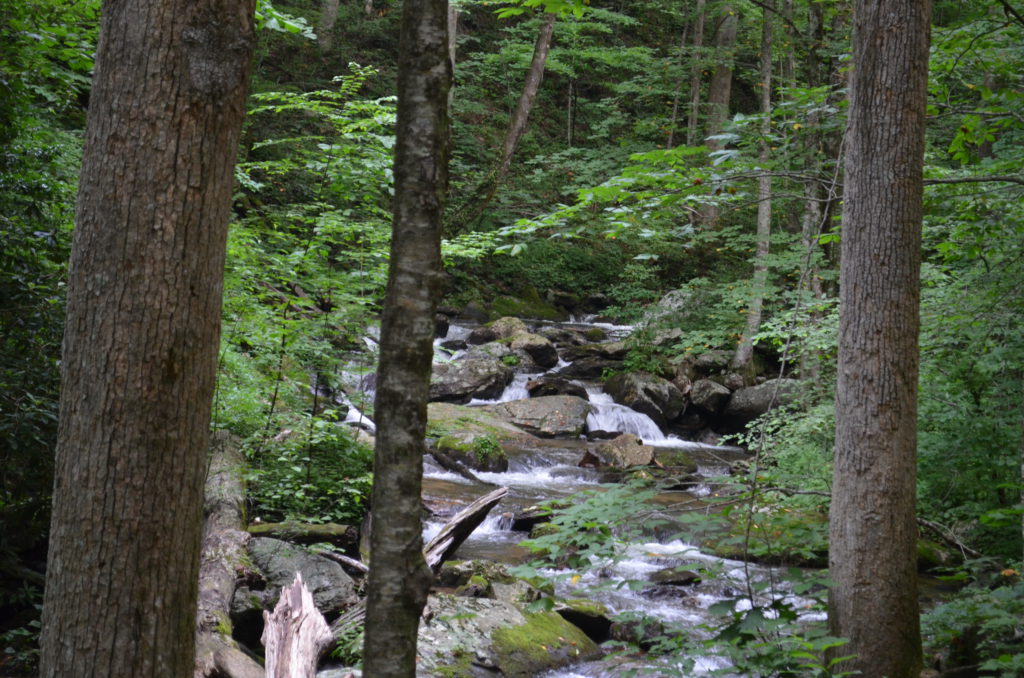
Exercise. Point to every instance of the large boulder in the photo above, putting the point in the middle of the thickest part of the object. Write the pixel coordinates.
(332, 589)
(478, 451)
(708, 396)
(623, 451)
(547, 417)
(749, 403)
(469, 637)
(658, 398)
(460, 382)
(540, 349)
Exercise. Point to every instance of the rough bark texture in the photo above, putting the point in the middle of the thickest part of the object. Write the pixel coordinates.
(223, 551)
(720, 90)
(873, 601)
(399, 578)
(141, 337)
(744, 355)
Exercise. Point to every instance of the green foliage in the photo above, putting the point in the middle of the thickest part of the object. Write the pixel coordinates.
(980, 626)
(316, 473)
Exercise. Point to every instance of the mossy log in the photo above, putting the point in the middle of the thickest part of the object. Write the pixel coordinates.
(223, 551)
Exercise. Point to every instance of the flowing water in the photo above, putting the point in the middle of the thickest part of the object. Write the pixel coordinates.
(549, 469)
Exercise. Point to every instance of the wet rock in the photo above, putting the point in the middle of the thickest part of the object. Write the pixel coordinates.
(460, 382)
(614, 350)
(441, 324)
(589, 368)
(548, 386)
(708, 396)
(469, 637)
(641, 632)
(447, 418)
(673, 576)
(598, 434)
(624, 451)
(332, 589)
(540, 349)
(453, 345)
(648, 394)
(481, 335)
(566, 301)
(589, 616)
(546, 417)
(562, 337)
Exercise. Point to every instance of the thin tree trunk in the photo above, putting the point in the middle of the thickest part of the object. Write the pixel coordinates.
(328, 18)
(743, 358)
(873, 532)
(530, 88)
(517, 126)
(453, 32)
(695, 76)
(674, 117)
(141, 337)
(399, 577)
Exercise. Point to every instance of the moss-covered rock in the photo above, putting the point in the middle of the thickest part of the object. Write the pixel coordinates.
(528, 305)
(447, 418)
(546, 640)
(478, 451)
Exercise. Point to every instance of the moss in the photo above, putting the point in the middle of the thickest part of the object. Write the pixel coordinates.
(462, 667)
(546, 640)
(529, 305)
(595, 334)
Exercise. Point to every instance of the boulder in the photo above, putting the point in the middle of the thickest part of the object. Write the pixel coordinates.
(712, 362)
(540, 349)
(478, 451)
(749, 403)
(460, 382)
(648, 394)
(506, 328)
(708, 396)
(589, 368)
(468, 637)
(449, 418)
(612, 350)
(278, 561)
(481, 335)
(548, 386)
(546, 417)
(624, 451)
(562, 337)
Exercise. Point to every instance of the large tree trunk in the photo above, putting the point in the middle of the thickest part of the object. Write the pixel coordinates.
(141, 337)
(873, 534)
(328, 18)
(743, 358)
(720, 89)
(399, 577)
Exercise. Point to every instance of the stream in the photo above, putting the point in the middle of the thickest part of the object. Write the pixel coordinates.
(546, 469)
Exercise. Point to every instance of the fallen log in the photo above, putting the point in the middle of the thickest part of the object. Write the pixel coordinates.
(458, 529)
(343, 536)
(295, 634)
(223, 550)
(450, 464)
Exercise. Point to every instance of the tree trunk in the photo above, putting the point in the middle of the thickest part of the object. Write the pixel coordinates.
(695, 75)
(873, 600)
(399, 578)
(328, 18)
(453, 33)
(742, 359)
(517, 126)
(721, 81)
(677, 92)
(295, 634)
(141, 337)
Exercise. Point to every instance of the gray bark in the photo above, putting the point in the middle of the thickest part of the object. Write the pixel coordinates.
(743, 357)
(720, 89)
(399, 577)
(328, 18)
(141, 337)
(695, 75)
(873, 601)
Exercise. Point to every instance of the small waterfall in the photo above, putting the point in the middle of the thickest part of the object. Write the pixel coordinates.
(516, 390)
(608, 415)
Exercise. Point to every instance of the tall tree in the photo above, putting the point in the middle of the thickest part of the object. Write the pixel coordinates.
(141, 338)
(743, 357)
(873, 600)
(720, 89)
(399, 577)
